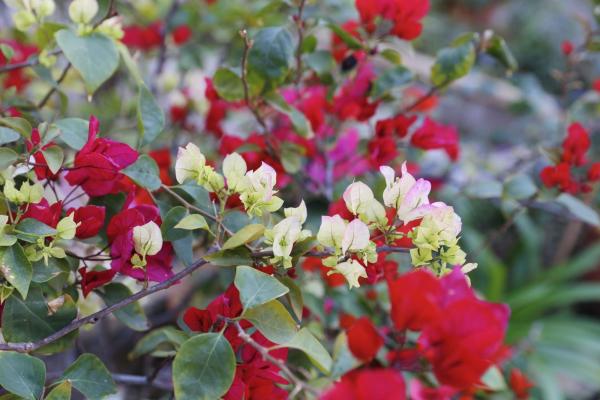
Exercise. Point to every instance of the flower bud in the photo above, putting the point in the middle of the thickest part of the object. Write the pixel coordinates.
(331, 232)
(352, 271)
(112, 28)
(285, 233)
(66, 227)
(356, 236)
(43, 8)
(263, 180)
(189, 163)
(83, 11)
(357, 197)
(298, 212)
(23, 20)
(234, 169)
(147, 239)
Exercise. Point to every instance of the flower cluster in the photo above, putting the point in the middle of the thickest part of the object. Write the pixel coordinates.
(460, 336)
(255, 378)
(572, 159)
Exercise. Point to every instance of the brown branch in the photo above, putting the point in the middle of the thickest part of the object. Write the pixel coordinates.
(297, 382)
(248, 43)
(380, 249)
(26, 347)
(31, 62)
(300, 27)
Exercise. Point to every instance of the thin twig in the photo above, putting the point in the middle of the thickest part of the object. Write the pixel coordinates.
(300, 28)
(31, 62)
(297, 382)
(248, 43)
(26, 347)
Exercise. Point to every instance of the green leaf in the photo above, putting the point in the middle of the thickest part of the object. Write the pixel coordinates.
(294, 296)
(8, 135)
(299, 121)
(230, 258)
(273, 321)
(131, 315)
(228, 84)
(497, 48)
(452, 63)
(28, 320)
(7, 51)
(94, 56)
(272, 52)
(203, 368)
(162, 342)
(247, 234)
(579, 209)
(179, 238)
(306, 342)
(89, 376)
(22, 374)
(347, 38)
(54, 158)
(193, 222)
(392, 56)
(144, 172)
(484, 189)
(18, 124)
(130, 63)
(7, 157)
(256, 287)
(391, 79)
(74, 132)
(519, 187)
(60, 392)
(32, 229)
(150, 117)
(321, 62)
(16, 268)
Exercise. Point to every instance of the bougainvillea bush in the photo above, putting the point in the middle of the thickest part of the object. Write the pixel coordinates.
(260, 200)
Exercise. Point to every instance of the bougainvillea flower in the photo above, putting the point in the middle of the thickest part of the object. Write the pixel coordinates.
(120, 236)
(97, 165)
(90, 220)
(41, 166)
(16, 78)
(91, 280)
(575, 145)
(415, 299)
(567, 47)
(181, 34)
(382, 151)
(418, 391)
(339, 48)
(468, 336)
(316, 264)
(368, 384)
(352, 101)
(593, 174)
(405, 15)
(256, 378)
(364, 340)
(559, 175)
(396, 126)
(520, 384)
(44, 212)
(143, 37)
(432, 135)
